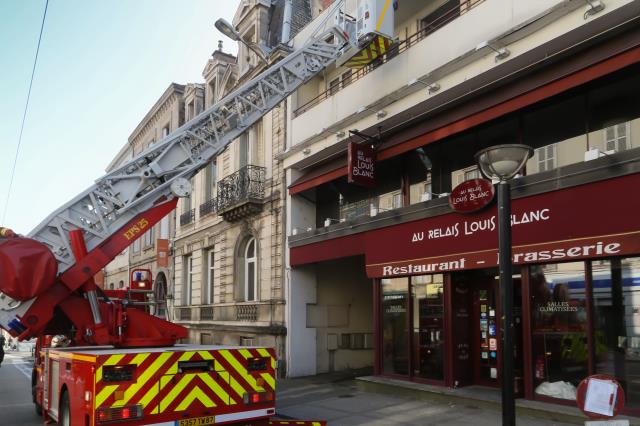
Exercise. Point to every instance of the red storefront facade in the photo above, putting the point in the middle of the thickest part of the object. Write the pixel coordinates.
(575, 231)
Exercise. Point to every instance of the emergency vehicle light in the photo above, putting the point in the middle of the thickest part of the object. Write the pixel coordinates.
(257, 397)
(129, 412)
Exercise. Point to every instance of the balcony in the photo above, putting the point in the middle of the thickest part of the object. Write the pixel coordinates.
(241, 194)
(209, 207)
(187, 217)
(439, 52)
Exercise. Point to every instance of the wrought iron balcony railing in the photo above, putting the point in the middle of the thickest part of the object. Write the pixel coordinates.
(241, 193)
(187, 217)
(209, 207)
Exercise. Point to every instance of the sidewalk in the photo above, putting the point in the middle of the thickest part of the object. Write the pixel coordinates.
(342, 400)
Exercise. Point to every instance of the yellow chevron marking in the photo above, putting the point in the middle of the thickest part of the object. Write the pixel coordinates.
(112, 360)
(237, 387)
(240, 369)
(104, 394)
(143, 378)
(184, 357)
(215, 387)
(175, 391)
(139, 359)
(198, 394)
(266, 376)
(384, 11)
(206, 355)
(164, 380)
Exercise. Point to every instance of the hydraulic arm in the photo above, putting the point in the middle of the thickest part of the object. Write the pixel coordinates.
(86, 233)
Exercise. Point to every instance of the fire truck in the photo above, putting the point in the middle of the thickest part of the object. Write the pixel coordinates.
(99, 360)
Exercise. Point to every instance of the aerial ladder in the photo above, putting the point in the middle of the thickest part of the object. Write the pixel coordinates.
(123, 364)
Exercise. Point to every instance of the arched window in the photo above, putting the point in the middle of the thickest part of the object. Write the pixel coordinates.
(111, 286)
(250, 271)
(121, 284)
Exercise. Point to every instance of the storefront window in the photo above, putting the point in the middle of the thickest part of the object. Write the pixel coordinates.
(395, 326)
(559, 320)
(616, 312)
(428, 326)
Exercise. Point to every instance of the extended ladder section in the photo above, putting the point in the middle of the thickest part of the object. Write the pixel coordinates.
(162, 171)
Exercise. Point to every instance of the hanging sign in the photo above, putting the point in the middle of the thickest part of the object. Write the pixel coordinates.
(471, 195)
(361, 164)
(162, 253)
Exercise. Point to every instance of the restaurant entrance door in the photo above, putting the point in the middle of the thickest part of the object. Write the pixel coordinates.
(476, 328)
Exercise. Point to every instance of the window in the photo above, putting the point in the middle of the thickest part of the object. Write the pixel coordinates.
(546, 157)
(164, 228)
(472, 174)
(334, 86)
(121, 284)
(166, 131)
(148, 238)
(346, 78)
(250, 271)
(210, 190)
(187, 264)
(559, 321)
(243, 157)
(210, 272)
(247, 341)
(616, 138)
(112, 286)
(136, 246)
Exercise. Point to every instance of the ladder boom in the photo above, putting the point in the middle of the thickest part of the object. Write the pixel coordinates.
(136, 186)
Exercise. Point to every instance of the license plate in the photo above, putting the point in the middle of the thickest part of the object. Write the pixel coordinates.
(197, 421)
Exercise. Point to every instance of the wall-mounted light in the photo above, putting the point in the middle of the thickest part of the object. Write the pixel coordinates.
(501, 52)
(341, 134)
(381, 114)
(361, 109)
(306, 151)
(328, 221)
(294, 231)
(433, 88)
(593, 7)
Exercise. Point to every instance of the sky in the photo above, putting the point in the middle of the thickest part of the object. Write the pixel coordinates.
(101, 67)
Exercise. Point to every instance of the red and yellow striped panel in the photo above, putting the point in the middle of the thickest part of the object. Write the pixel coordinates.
(297, 423)
(160, 388)
(378, 46)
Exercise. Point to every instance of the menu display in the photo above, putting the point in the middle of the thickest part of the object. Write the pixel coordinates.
(488, 336)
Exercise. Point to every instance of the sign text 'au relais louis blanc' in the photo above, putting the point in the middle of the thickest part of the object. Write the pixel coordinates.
(587, 221)
(361, 160)
(471, 195)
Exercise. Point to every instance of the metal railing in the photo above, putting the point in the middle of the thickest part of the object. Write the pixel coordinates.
(247, 183)
(246, 312)
(206, 313)
(184, 314)
(187, 217)
(393, 51)
(209, 207)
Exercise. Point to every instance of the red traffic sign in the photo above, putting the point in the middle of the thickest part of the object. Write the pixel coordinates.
(600, 396)
(471, 195)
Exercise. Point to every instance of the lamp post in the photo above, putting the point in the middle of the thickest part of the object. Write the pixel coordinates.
(502, 163)
(227, 29)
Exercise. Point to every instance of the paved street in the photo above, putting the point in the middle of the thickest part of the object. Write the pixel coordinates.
(16, 408)
(342, 403)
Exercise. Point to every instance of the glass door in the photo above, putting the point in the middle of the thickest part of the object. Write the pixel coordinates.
(395, 326)
(428, 326)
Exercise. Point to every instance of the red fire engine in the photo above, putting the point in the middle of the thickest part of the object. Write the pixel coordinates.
(99, 360)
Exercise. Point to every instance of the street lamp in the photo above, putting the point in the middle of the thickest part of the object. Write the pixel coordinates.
(502, 163)
(227, 29)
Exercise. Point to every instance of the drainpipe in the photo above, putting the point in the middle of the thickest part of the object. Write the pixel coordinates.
(286, 21)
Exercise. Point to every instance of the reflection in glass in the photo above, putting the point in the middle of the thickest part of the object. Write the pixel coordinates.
(559, 320)
(428, 327)
(395, 325)
(616, 301)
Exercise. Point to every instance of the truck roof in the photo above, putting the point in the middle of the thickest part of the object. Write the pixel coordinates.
(111, 350)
